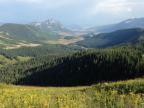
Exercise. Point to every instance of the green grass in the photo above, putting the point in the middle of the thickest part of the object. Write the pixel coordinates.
(122, 94)
(135, 86)
(23, 59)
(7, 42)
(6, 61)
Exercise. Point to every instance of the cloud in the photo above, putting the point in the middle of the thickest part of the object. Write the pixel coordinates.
(95, 6)
(115, 7)
(42, 3)
(81, 11)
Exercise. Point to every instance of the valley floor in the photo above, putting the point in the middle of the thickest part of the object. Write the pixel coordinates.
(122, 94)
(63, 41)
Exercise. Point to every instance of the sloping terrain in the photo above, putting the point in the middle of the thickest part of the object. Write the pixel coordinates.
(123, 94)
(18, 35)
(5, 60)
(126, 36)
(13, 55)
(81, 68)
(19, 32)
(26, 32)
(8, 42)
(127, 24)
(50, 25)
(53, 32)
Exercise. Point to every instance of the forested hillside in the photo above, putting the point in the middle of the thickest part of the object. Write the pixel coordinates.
(119, 37)
(13, 56)
(81, 68)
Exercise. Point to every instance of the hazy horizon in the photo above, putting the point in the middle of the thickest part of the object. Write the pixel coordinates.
(69, 12)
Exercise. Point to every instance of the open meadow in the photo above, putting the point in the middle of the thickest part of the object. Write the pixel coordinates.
(123, 94)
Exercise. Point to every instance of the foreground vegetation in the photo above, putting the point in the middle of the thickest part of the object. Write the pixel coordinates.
(122, 94)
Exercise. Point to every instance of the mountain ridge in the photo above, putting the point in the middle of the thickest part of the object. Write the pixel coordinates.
(52, 25)
(126, 24)
(125, 36)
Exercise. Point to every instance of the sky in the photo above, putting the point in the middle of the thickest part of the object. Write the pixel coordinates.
(69, 12)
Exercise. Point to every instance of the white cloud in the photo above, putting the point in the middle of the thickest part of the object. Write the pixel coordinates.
(115, 7)
(92, 7)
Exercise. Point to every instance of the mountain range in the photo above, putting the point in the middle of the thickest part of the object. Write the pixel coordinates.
(54, 32)
(126, 24)
(50, 25)
(119, 37)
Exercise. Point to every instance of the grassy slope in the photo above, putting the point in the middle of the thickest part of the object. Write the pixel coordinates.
(8, 42)
(27, 33)
(124, 94)
(18, 31)
(6, 61)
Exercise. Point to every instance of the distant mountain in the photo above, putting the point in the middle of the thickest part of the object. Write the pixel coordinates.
(127, 24)
(114, 38)
(27, 32)
(50, 25)
(53, 32)
(19, 31)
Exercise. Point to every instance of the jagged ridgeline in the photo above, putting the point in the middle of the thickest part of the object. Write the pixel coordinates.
(81, 68)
